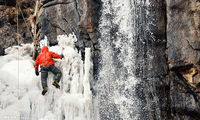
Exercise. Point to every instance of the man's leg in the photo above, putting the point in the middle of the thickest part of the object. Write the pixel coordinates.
(44, 76)
(57, 75)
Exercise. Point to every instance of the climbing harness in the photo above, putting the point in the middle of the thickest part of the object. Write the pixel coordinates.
(43, 71)
(53, 69)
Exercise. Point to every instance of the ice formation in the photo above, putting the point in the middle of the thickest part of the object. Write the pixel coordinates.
(117, 81)
(20, 88)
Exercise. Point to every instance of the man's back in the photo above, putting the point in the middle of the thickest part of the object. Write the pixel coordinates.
(46, 58)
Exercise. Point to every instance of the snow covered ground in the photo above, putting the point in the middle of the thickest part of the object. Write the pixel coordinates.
(20, 88)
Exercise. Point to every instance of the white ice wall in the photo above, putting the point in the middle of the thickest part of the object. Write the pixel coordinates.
(20, 88)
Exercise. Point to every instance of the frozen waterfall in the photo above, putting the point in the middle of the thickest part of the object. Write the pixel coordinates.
(20, 88)
(116, 84)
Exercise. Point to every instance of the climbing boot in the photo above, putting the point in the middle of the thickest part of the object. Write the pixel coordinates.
(44, 91)
(55, 83)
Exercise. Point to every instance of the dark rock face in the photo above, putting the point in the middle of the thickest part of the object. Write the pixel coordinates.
(184, 101)
(183, 58)
(55, 21)
(183, 32)
(151, 62)
(8, 23)
(171, 94)
(70, 16)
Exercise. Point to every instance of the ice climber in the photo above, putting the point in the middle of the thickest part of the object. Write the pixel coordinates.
(46, 62)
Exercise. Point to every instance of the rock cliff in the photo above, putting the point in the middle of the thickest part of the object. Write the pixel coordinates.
(8, 22)
(70, 16)
(183, 58)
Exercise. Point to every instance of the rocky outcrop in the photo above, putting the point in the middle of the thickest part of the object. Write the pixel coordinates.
(183, 32)
(8, 23)
(183, 38)
(183, 45)
(79, 17)
(184, 101)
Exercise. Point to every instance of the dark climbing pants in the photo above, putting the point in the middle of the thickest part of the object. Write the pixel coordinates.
(44, 74)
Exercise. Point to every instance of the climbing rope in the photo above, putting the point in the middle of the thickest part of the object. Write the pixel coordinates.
(18, 50)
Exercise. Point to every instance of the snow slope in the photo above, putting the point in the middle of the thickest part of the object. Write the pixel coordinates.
(20, 88)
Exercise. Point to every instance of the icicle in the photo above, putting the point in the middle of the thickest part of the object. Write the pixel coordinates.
(86, 82)
(44, 42)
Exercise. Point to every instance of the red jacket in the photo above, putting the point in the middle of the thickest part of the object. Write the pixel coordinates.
(45, 58)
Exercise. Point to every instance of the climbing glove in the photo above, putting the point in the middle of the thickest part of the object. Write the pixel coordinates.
(62, 55)
(37, 73)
